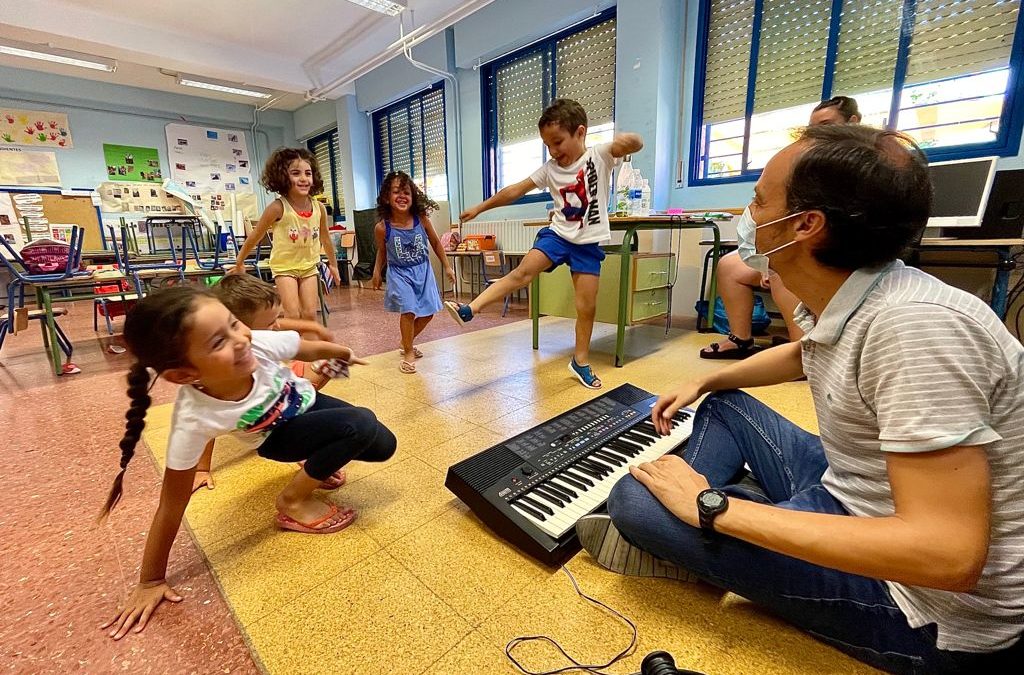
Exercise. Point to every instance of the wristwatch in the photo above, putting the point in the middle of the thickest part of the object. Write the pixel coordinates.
(710, 504)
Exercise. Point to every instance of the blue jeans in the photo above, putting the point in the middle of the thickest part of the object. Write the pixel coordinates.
(855, 614)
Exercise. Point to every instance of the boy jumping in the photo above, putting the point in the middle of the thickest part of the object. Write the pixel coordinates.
(579, 179)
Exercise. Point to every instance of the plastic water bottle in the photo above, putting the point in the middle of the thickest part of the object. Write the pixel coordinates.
(623, 184)
(645, 199)
(635, 191)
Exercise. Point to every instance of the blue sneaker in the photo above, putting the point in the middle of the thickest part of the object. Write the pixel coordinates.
(585, 374)
(461, 313)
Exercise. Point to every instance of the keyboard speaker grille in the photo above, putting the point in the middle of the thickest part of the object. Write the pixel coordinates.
(487, 468)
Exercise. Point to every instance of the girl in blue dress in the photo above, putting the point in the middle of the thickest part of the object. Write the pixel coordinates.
(404, 238)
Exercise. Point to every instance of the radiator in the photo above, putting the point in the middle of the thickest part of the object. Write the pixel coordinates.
(511, 236)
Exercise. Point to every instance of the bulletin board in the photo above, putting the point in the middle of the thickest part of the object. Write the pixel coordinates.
(73, 210)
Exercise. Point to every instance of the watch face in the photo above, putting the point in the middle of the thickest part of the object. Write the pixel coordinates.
(711, 500)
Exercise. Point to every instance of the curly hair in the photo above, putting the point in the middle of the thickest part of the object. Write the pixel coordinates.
(156, 331)
(846, 106)
(873, 187)
(275, 172)
(421, 203)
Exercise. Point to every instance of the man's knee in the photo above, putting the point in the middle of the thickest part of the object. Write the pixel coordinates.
(629, 505)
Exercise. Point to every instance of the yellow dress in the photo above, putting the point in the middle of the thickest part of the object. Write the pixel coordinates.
(296, 242)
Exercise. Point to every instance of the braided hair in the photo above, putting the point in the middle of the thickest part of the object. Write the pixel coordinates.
(155, 331)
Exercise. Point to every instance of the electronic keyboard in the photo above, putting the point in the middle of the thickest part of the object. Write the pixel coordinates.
(532, 488)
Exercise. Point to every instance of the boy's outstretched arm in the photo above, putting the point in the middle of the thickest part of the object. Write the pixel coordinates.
(502, 197)
(626, 143)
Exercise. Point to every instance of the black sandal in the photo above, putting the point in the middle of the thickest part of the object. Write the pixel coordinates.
(744, 348)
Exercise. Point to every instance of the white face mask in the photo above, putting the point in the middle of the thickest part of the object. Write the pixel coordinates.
(746, 235)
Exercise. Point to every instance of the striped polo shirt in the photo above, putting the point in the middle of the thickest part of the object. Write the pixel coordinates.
(900, 362)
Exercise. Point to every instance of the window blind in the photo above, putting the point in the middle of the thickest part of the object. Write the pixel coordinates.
(585, 71)
(954, 38)
(869, 36)
(339, 192)
(410, 137)
(728, 59)
(327, 150)
(521, 88)
(791, 53)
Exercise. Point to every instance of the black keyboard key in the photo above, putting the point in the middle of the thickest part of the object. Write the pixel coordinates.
(556, 484)
(617, 454)
(520, 504)
(637, 438)
(580, 478)
(594, 473)
(609, 457)
(626, 446)
(559, 492)
(605, 469)
(543, 493)
(537, 505)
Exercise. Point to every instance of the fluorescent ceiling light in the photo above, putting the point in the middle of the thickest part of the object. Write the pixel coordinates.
(389, 7)
(222, 86)
(29, 50)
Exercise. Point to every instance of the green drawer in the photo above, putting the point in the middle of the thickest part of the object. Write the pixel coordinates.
(649, 304)
(652, 271)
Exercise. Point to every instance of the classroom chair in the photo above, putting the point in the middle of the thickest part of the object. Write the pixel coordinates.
(494, 268)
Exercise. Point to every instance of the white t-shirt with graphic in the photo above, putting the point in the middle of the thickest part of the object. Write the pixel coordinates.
(580, 193)
(277, 395)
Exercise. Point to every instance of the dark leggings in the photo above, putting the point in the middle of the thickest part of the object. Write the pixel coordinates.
(328, 436)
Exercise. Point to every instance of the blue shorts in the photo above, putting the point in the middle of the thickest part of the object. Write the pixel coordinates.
(582, 258)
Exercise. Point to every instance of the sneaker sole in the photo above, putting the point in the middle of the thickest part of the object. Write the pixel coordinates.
(454, 313)
(580, 378)
(605, 545)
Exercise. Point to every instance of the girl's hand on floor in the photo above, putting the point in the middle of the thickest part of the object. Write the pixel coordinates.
(139, 606)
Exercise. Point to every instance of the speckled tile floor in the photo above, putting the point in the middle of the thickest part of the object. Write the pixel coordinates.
(417, 585)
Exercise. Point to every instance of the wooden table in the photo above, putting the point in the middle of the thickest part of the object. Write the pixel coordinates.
(630, 226)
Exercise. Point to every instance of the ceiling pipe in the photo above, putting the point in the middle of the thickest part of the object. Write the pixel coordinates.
(396, 49)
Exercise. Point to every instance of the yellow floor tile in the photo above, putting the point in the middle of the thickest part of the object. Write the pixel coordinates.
(397, 499)
(267, 568)
(459, 448)
(473, 654)
(427, 427)
(489, 572)
(374, 619)
(479, 405)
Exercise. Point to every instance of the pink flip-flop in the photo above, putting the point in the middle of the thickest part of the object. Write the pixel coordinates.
(335, 521)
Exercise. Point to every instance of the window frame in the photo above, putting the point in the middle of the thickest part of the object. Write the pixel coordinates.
(401, 103)
(489, 98)
(1011, 121)
(336, 188)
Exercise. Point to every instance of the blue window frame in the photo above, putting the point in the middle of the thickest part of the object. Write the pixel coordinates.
(576, 63)
(410, 135)
(327, 150)
(762, 67)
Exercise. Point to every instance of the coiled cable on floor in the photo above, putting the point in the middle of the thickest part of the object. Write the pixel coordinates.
(592, 669)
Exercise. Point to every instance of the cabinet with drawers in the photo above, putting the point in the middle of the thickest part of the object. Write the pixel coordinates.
(649, 295)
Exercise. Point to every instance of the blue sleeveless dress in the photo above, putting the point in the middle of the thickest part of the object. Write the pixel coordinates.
(411, 287)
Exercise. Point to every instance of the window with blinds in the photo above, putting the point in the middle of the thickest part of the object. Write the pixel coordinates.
(939, 70)
(327, 150)
(409, 136)
(578, 63)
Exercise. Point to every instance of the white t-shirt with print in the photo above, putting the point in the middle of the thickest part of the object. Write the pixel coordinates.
(277, 395)
(580, 193)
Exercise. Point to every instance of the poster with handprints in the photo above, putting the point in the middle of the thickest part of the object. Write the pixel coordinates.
(34, 127)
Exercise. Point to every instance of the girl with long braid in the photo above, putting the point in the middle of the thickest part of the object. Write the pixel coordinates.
(233, 381)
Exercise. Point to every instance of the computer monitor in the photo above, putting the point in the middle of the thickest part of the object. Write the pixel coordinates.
(960, 190)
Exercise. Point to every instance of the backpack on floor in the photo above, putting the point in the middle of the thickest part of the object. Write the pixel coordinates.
(759, 320)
